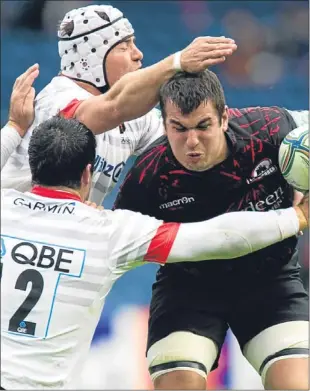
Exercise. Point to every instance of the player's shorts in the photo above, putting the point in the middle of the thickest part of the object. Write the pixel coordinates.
(250, 302)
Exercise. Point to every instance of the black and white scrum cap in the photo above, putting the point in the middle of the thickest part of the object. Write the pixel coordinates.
(86, 35)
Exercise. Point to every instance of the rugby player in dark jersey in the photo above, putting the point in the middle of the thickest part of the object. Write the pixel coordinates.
(215, 160)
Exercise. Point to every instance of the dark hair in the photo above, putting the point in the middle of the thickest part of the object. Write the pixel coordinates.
(59, 151)
(188, 90)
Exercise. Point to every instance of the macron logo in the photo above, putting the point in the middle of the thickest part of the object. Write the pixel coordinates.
(180, 201)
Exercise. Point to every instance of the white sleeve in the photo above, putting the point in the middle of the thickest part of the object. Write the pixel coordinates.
(151, 127)
(137, 238)
(233, 235)
(10, 139)
(301, 117)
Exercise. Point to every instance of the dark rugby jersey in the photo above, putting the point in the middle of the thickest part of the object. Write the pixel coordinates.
(249, 179)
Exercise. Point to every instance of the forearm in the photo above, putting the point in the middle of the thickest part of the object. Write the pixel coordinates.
(233, 235)
(137, 93)
(134, 95)
(10, 139)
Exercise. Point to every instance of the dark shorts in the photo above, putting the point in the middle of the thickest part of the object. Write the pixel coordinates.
(207, 304)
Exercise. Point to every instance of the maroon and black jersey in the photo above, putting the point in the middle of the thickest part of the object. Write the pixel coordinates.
(249, 179)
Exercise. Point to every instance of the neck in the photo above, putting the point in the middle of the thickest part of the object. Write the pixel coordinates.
(91, 89)
(88, 87)
(61, 189)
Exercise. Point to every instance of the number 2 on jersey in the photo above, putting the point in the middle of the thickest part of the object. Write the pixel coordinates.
(17, 322)
(32, 274)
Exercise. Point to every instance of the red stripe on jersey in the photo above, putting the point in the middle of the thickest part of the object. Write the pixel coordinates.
(161, 244)
(70, 109)
(53, 193)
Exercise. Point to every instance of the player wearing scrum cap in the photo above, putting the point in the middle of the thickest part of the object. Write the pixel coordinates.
(97, 85)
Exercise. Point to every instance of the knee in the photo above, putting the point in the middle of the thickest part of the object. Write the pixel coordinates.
(288, 374)
(180, 380)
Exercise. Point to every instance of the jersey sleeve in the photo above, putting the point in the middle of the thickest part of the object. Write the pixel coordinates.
(300, 117)
(70, 109)
(136, 239)
(151, 127)
(10, 139)
(267, 123)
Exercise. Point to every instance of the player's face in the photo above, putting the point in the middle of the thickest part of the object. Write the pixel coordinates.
(197, 139)
(123, 58)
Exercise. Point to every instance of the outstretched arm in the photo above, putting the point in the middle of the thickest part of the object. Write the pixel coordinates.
(230, 235)
(136, 93)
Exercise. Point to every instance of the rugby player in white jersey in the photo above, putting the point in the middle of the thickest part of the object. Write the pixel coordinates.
(21, 113)
(60, 257)
(97, 48)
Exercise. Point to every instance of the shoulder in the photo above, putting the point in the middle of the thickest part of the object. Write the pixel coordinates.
(155, 151)
(261, 122)
(58, 94)
(149, 122)
(146, 165)
(244, 115)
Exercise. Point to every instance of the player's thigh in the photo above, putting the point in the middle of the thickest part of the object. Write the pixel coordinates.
(181, 360)
(278, 353)
(185, 331)
(273, 322)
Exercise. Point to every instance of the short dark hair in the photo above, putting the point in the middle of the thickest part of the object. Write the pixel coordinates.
(188, 90)
(59, 151)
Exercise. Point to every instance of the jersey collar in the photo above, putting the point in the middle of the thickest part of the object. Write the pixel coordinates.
(52, 193)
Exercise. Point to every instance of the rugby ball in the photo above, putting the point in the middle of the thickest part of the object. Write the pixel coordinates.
(294, 158)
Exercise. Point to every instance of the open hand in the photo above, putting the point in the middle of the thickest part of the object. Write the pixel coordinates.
(21, 112)
(206, 51)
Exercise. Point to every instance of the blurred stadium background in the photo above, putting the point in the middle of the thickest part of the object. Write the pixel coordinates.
(270, 67)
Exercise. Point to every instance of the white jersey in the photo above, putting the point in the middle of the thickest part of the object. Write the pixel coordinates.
(59, 260)
(113, 147)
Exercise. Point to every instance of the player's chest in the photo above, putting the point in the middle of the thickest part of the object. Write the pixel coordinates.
(113, 150)
(243, 182)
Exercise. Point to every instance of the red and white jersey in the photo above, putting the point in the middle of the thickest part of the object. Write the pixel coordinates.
(113, 147)
(59, 260)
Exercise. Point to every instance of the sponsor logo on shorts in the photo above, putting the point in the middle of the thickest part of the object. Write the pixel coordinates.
(264, 168)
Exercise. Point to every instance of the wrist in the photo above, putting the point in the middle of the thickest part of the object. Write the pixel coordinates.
(177, 61)
(303, 222)
(18, 128)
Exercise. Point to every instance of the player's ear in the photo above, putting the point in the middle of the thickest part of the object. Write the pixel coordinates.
(86, 175)
(225, 119)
